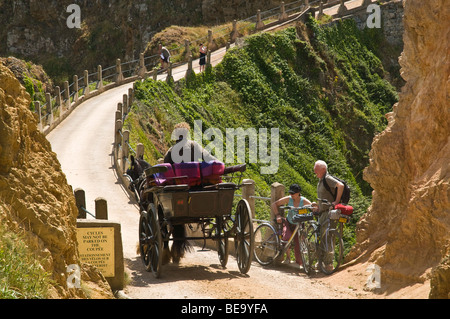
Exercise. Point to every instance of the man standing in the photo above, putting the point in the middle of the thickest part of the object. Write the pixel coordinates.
(321, 171)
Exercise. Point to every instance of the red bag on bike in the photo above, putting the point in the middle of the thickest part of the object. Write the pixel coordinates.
(345, 209)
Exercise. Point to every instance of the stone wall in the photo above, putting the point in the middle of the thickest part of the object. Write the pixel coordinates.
(391, 20)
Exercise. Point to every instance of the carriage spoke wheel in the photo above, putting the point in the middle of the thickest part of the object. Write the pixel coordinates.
(244, 236)
(150, 241)
(222, 241)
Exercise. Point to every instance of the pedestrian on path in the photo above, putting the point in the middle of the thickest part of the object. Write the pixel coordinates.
(202, 62)
(165, 56)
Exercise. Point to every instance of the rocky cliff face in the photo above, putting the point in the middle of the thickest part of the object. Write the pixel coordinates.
(38, 31)
(407, 228)
(34, 195)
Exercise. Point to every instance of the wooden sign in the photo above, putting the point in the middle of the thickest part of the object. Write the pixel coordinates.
(96, 247)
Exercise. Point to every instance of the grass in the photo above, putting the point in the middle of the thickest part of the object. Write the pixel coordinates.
(21, 275)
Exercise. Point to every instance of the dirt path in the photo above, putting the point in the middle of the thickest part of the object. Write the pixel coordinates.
(200, 276)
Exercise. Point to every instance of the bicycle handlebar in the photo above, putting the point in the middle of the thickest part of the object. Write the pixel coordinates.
(299, 208)
(325, 202)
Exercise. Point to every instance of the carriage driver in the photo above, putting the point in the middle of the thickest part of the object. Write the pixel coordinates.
(176, 155)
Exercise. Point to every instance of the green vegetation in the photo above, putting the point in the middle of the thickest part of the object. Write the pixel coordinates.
(21, 275)
(323, 87)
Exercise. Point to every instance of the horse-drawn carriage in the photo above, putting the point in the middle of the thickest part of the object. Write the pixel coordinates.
(173, 196)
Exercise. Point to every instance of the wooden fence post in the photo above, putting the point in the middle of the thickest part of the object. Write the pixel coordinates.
(67, 94)
(283, 15)
(234, 32)
(125, 149)
(130, 97)
(125, 104)
(117, 138)
(99, 77)
(140, 150)
(86, 83)
(187, 49)
(259, 23)
(320, 9)
(142, 69)
(276, 192)
(119, 76)
(169, 78)
(189, 69)
(248, 191)
(75, 88)
(342, 9)
(80, 199)
(37, 106)
(48, 100)
(101, 208)
(58, 97)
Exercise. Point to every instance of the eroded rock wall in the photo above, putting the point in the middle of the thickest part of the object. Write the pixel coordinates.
(35, 198)
(407, 226)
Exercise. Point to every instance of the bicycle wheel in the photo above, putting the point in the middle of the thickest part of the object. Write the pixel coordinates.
(266, 244)
(305, 251)
(332, 251)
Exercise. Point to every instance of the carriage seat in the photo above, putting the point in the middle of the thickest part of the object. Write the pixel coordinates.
(191, 173)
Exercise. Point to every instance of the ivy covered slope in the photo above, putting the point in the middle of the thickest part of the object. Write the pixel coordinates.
(321, 86)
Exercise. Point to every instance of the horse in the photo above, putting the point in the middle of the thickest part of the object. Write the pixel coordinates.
(135, 171)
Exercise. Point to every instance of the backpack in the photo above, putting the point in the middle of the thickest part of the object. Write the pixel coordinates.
(345, 198)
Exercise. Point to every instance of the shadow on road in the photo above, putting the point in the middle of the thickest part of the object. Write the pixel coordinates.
(185, 271)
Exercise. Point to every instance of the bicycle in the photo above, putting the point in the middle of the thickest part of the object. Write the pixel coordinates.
(327, 253)
(268, 243)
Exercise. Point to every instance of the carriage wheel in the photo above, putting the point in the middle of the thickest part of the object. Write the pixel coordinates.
(244, 236)
(222, 240)
(150, 241)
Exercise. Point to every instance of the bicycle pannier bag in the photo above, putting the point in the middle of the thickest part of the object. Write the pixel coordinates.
(345, 209)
